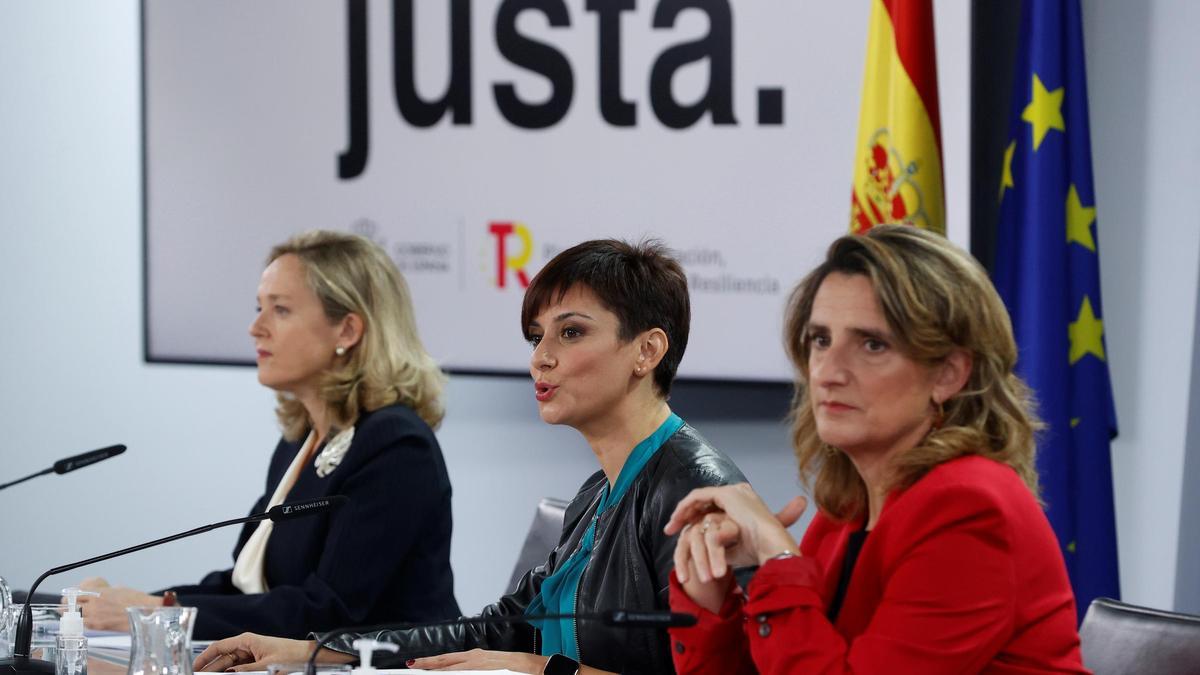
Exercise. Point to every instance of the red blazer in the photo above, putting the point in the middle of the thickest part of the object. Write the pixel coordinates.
(961, 574)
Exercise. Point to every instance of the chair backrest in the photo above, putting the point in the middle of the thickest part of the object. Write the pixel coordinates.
(543, 536)
(1118, 638)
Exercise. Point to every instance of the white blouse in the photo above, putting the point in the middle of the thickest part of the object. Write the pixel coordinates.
(248, 570)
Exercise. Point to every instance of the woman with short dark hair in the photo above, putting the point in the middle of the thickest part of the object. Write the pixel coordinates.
(608, 322)
(642, 285)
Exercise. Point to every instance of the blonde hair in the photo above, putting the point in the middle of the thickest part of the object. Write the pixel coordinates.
(937, 299)
(351, 275)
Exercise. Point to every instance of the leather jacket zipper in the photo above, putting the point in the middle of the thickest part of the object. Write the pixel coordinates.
(575, 598)
(575, 611)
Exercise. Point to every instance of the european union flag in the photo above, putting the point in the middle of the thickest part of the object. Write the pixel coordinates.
(1048, 272)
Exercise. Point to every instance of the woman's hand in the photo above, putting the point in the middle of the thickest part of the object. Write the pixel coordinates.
(482, 659)
(702, 548)
(728, 525)
(253, 652)
(93, 584)
(107, 612)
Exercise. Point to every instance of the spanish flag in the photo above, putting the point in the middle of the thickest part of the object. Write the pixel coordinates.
(898, 161)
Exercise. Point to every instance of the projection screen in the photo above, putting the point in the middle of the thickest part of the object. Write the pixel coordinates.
(474, 139)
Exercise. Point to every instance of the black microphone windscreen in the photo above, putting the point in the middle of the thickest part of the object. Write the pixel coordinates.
(84, 459)
(307, 507)
(651, 619)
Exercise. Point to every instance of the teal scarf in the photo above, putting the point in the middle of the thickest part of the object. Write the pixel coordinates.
(560, 589)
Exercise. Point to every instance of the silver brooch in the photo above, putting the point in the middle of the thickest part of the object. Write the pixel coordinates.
(333, 452)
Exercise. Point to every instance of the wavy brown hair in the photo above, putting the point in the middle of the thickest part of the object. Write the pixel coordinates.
(936, 299)
(351, 275)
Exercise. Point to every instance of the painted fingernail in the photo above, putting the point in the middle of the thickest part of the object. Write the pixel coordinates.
(410, 662)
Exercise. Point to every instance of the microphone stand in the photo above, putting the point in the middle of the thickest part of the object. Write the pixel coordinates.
(71, 463)
(31, 476)
(20, 663)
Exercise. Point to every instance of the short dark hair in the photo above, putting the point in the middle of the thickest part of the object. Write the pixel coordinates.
(640, 283)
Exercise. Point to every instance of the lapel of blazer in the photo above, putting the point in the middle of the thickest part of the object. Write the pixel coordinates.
(308, 484)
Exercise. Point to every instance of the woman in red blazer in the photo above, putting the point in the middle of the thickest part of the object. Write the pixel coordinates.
(929, 552)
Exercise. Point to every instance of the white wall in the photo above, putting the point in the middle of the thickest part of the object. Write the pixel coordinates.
(199, 437)
(1142, 65)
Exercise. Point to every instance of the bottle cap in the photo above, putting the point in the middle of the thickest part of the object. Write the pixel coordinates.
(366, 647)
(71, 623)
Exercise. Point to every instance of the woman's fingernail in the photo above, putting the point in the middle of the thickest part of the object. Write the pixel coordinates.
(410, 662)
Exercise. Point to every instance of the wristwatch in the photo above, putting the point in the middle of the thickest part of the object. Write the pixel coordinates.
(782, 556)
(561, 665)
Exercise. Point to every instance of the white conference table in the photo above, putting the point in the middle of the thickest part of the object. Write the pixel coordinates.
(108, 654)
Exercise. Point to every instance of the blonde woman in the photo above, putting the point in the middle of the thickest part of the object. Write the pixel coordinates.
(929, 552)
(358, 401)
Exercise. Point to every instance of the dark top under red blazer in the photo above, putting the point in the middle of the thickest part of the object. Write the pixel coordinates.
(383, 557)
(961, 574)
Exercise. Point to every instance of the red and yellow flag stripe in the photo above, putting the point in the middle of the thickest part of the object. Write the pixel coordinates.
(898, 160)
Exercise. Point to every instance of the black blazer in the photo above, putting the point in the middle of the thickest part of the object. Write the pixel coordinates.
(383, 557)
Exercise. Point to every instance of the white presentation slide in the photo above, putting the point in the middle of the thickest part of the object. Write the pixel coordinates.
(475, 139)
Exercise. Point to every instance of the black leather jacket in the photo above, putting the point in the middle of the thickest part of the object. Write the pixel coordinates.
(628, 569)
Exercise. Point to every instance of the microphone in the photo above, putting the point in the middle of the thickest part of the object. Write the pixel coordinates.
(71, 463)
(303, 509)
(638, 619)
(21, 663)
(616, 618)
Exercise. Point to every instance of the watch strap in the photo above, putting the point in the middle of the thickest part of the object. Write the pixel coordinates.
(561, 665)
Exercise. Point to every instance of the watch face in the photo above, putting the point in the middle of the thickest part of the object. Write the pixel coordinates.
(561, 665)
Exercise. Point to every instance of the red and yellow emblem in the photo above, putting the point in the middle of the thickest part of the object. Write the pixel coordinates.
(898, 162)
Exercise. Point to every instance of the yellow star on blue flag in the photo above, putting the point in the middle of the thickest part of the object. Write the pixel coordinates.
(1079, 221)
(1086, 334)
(1044, 111)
